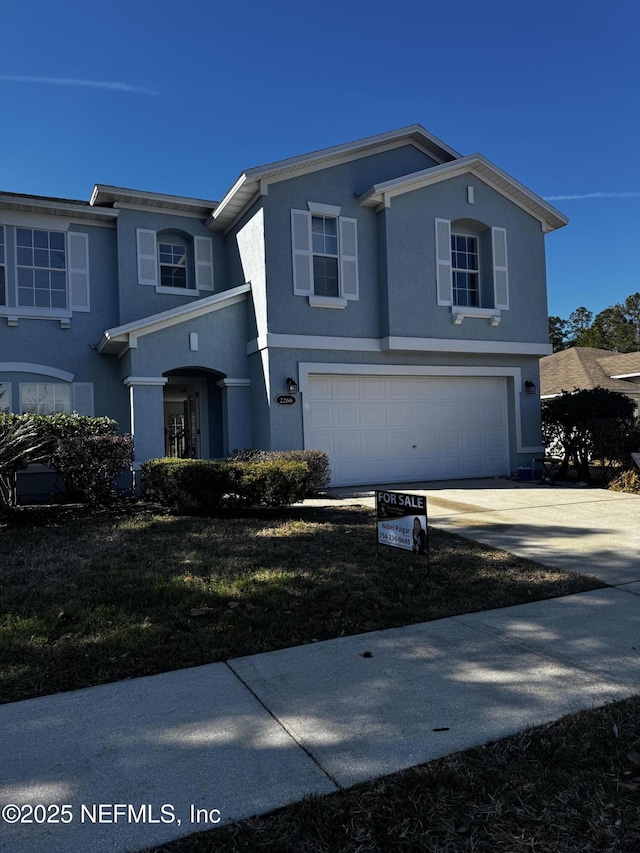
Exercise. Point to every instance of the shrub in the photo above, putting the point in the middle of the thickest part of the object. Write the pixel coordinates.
(87, 453)
(316, 460)
(588, 425)
(627, 481)
(20, 444)
(89, 465)
(203, 487)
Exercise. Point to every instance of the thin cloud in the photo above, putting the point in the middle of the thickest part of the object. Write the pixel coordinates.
(578, 196)
(110, 86)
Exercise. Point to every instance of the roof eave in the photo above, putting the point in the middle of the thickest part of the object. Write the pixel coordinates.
(105, 194)
(381, 194)
(252, 180)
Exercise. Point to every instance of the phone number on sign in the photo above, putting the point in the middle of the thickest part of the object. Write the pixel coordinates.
(105, 813)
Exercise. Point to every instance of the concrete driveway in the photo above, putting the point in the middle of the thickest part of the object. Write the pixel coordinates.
(592, 531)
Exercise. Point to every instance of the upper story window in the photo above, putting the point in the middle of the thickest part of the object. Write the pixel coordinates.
(471, 269)
(324, 231)
(42, 268)
(465, 270)
(49, 274)
(174, 262)
(173, 265)
(325, 256)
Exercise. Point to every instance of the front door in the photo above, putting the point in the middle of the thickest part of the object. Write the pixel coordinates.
(185, 402)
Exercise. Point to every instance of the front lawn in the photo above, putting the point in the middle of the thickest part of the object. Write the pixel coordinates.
(88, 599)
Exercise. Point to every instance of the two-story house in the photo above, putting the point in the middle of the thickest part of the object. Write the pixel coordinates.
(399, 285)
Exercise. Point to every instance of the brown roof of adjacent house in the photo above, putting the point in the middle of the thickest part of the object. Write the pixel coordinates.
(588, 367)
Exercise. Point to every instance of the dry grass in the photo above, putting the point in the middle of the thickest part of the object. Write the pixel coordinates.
(567, 787)
(88, 600)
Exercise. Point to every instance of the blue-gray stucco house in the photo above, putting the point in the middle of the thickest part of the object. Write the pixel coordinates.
(399, 284)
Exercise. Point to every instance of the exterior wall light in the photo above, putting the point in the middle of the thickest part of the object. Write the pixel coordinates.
(292, 386)
(530, 387)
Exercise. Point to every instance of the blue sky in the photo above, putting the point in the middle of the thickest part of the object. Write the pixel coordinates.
(182, 97)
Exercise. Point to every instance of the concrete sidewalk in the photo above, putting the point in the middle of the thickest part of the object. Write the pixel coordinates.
(226, 741)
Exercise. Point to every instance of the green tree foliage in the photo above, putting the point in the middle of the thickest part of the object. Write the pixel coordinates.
(594, 425)
(616, 328)
(558, 333)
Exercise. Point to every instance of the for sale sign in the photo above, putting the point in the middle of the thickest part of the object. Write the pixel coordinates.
(402, 521)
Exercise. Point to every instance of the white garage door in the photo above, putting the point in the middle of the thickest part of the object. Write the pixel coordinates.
(381, 429)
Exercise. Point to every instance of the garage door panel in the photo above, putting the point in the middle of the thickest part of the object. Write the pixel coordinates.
(400, 415)
(378, 430)
(347, 416)
(346, 389)
(374, 415)
(398, 389)
(375, 441)
(347, 443)
(373, 389)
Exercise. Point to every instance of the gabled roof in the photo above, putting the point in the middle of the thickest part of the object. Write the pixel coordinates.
(381, 194)
(121, 338)
(586, 368)
(249, 183)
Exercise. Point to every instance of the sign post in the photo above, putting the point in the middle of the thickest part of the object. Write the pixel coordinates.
(402, 521)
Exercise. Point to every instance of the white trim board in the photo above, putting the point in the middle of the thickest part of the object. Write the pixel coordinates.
(323, 342)
(36, 369)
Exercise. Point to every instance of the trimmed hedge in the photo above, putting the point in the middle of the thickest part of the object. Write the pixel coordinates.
(317, 461)
(87, 453)
(202, 486)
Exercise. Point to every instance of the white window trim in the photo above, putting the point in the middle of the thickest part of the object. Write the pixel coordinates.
(475, 271)
(194, 270)
(178, 291)
(324, 209)
(462, 312)
(327, 301)
(444, 276)
(35, 312)
(305, 254)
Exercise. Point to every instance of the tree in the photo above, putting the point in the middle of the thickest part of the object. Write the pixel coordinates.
(578, 324)
(558, 333)
(589, 425)
(616, 328)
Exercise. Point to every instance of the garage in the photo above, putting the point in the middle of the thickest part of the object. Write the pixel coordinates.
(383, 429)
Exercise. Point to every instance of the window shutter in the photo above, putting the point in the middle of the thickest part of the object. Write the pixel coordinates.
(349, 258)
(500, 271)
(147, 257)
(82, 398)
(443, 257)
(78, 263)
(203, 252)
(302, 256)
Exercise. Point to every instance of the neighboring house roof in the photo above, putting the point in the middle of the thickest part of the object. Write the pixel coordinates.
(588, 367)
(381, 194)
